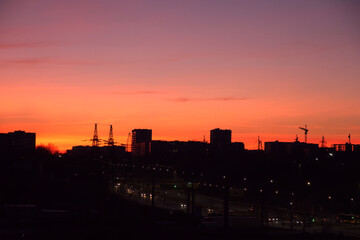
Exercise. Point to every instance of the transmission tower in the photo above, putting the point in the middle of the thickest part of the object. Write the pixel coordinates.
(111, 137)
(323, 142)
(95, 139)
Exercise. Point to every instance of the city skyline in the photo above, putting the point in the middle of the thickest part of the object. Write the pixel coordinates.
(102, 140)
(180, 68)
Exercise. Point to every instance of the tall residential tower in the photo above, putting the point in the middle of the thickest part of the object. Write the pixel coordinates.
(141, 143)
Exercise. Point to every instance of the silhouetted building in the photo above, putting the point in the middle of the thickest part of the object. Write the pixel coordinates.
(166, 148)
(236, 147)
(17, 143)
(220, 139)
(4, 143)
(105, 151)
(141, 143)
(347, 147)
(288, 148)
(179, 153)
(356, 147)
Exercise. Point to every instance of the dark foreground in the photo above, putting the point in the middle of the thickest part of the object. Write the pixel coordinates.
(122, 219)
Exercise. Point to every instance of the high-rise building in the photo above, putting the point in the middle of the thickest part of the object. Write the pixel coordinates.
(23, 141)
(141, 143)
(17, 143)
(220, 139)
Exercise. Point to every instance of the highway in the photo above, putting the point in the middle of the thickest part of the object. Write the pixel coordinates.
(175, 198)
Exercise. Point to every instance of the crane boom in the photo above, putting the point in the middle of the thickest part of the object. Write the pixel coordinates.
(306, 130)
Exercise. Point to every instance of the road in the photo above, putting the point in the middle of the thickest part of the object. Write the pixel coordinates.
(175, 198)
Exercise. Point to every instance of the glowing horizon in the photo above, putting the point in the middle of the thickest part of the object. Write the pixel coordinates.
(63, 142)
(180, 68)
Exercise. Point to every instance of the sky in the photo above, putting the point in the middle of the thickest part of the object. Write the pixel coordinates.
(181, 68)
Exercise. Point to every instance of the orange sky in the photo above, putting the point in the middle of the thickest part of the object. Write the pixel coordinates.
(180, 68)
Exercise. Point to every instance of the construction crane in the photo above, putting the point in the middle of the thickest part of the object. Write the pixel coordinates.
(305, 131)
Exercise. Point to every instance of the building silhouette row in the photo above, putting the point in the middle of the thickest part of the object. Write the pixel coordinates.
(20, 143)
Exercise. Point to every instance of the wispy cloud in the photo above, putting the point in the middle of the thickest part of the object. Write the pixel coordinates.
(207, 99)
(7, 118)
(28, 45)
(144, 92)
(25, 61)
(49, 60)
(190, 56)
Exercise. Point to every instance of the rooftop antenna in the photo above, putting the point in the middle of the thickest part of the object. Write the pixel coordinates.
(323, 142)
(349, 138)
(95, 139)
(204, 139)
(111, 137)
(128, 144)
(306, 132)
(260, 147)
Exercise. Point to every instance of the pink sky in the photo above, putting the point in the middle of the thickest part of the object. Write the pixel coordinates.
(181, 68)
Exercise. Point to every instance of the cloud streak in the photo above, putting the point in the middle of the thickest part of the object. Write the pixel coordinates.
(48, 60)
(27, 45)
(26, 61)
(181, 99)
(145, 92)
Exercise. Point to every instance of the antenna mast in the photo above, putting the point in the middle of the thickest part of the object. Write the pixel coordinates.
(260, 146)
(128, 145)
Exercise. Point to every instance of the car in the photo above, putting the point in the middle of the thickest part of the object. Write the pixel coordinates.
(182, 206)
(252, 210)
(273, 219)
(210, 212)
(348, 218)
